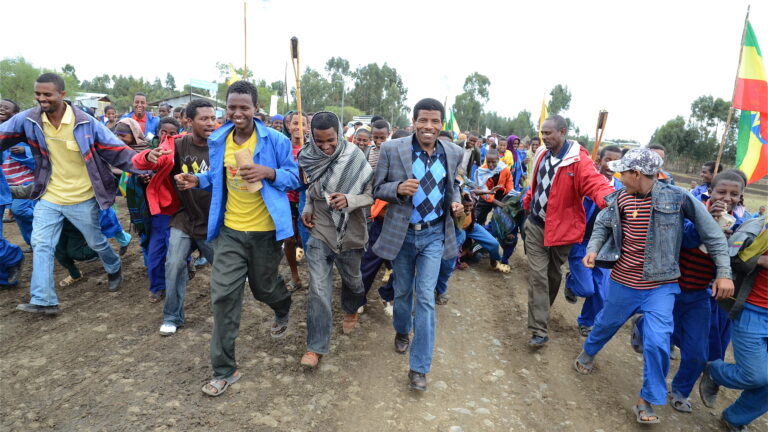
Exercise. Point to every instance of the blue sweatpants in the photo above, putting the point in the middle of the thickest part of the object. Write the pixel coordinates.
(587, 283)
(303, 231)
(750, 372)
(719, 331)
(10, 254)
(157, 250)
(691, 315)
(621, 303)
(448, 265)
(24, 211)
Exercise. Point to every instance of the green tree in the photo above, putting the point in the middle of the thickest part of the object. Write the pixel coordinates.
(468, 106)
(170, 82)
(677, 137)
(560, 99)
(314, 91)
(68, 69)
(17, 81)
(521, 125)
(378, 90)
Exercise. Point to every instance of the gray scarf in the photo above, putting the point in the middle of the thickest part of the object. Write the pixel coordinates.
(346, 171)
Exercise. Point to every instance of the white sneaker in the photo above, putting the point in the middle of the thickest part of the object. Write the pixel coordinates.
(167, 329)
(388, 309)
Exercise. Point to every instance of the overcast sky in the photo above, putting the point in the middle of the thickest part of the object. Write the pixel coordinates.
(645, 62)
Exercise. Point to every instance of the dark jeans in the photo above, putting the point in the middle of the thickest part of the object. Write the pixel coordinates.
(239, 254)
(371, 263)
(321, 258)
(72, 247)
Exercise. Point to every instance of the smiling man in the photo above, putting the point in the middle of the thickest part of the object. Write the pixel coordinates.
(147, 121)
(563, 175)
(189, 223)
(339, 189)
(73, 153)
(249, 225)
(415, 174)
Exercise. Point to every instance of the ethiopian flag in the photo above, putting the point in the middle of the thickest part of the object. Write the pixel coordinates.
(751, 98)
(451, 124)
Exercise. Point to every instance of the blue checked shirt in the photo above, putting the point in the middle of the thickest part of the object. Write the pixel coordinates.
(431, 173)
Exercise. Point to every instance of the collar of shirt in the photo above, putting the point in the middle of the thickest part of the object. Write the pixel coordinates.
(417, 147)
(563, 151)
(67, 118)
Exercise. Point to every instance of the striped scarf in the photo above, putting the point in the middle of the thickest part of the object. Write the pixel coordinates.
(346, 171)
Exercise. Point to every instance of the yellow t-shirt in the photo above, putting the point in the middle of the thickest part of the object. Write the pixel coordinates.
(246, 211)
(69, 183)
(508, 159)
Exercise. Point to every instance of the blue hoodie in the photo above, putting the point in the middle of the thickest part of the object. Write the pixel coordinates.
(273, 149)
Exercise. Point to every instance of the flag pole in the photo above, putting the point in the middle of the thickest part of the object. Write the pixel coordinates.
(733, 96)
(245, 41)
(297, 74)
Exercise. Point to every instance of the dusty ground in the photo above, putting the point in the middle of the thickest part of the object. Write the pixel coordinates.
(102, 366)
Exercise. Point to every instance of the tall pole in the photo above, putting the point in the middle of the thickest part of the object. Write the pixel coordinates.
(245, 41)
(297, 73)
(733, 96)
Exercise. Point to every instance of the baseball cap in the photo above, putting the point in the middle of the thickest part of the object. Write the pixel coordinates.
(638, 159)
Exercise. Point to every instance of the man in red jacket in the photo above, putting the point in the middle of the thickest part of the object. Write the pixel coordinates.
(563, 174)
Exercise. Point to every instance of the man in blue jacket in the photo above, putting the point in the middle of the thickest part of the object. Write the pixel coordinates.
(149, 123)
(249, 218)
(73, 153)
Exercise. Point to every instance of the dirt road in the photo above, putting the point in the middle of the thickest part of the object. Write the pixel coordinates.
(102, 366)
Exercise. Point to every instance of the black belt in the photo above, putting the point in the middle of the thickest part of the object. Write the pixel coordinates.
(425, 225)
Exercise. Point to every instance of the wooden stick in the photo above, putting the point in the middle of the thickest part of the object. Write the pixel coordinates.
(733, 96)
(297, 74)
(602, 119)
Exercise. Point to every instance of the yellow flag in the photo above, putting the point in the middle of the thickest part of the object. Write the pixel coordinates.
(232, 75)
(543, 116)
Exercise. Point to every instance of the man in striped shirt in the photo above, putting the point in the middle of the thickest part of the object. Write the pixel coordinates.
(641, 232)
(18, 167)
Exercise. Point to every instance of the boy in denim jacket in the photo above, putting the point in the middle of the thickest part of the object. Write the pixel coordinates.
(639, 235)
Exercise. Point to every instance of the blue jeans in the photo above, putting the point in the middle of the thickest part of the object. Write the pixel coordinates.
(481, 235)
(24, 211)
(158, 248)
(657, 303)
(587, 283)
(416, 268)
(45, 235)
(320, 259)
(176, 275)
(750, 372)
(10, 254)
